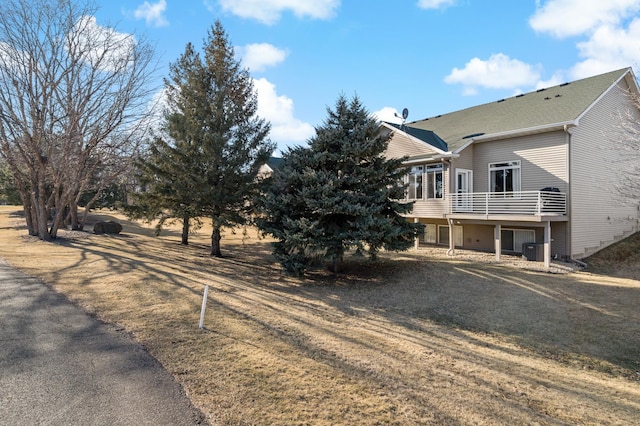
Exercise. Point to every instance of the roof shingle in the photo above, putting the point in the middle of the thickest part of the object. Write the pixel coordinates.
(557, 104)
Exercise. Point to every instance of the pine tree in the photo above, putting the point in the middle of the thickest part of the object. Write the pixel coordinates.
(337, 194)
(219, 143)
(168, 178)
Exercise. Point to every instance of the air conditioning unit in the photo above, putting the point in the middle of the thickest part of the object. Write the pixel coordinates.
(533, 252)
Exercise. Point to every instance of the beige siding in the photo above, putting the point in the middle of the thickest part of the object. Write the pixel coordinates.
(596, 218)
(432, 208)
(543, 161)
(400, 146)
(465, 161)
(559, 234)
(429, 208)
(478, 237)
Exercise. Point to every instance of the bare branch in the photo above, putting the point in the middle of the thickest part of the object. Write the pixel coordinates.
(74, 97)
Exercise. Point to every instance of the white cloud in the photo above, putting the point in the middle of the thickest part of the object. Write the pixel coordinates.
(566, 18)
(556, 79)
(607, 49)
(152, 13)
(388, 114)
(470, 91)
(609, 32)
(257, 57)
(103, 47)
(11, 60)
(435, 4)
(498, 72)
(269, 11)
(278, 109)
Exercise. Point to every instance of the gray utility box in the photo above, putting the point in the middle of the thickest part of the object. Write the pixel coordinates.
(533, 251)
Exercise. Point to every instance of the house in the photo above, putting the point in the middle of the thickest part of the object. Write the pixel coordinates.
(531, 173)
(272, 164)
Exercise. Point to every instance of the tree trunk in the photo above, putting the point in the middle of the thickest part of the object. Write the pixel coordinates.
(215, 241)
(73, 215)
(186, 220)
(85, 216)
(41, 213)
(337, 259)
(28, 212)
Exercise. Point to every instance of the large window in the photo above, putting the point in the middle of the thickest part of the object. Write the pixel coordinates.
(434, 176)
(443, 235)
(512, 239)
(504, 177)
(414, 179)
(425, 181)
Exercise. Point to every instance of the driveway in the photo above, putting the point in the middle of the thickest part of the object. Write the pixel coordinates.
(59, 366)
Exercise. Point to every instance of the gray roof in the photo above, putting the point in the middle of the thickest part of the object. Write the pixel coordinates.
(274, 162)
(557, 104)
(424, 135)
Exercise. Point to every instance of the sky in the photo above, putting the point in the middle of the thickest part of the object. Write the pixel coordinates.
(429, 56)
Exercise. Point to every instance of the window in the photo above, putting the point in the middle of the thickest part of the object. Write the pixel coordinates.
(504, 177)
(430, 233)
(512, 239)
(414, 179)
(443, 235)
(434, 175)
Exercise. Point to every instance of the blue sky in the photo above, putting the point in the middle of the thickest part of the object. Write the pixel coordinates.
(430, 56)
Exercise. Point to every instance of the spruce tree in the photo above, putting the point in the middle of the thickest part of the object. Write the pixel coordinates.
(167, 177)
(218, 141)
(338, 193)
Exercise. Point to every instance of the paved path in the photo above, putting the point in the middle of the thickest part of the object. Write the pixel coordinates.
(58, 366)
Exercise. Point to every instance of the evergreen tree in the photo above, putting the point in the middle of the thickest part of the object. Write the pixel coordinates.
(337, 194)
(168, 182)
(210, 169)
(9, 193)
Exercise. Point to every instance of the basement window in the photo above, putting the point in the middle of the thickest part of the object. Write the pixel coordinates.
(513, 239)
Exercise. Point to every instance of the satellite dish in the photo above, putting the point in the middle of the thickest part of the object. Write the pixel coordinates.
(405, 113)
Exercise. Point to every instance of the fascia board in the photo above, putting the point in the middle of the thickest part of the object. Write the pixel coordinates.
(603, 94)
(523, 132)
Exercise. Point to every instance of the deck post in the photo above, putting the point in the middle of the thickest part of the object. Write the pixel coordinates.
(498, 240)
(547, 244)
(416, 243)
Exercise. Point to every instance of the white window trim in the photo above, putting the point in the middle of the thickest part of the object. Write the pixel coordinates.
(469, 173)
(432, 169)
(422, 182)
(513, 164)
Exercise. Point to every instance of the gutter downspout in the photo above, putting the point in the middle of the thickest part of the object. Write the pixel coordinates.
(579, 262)
(452, 243)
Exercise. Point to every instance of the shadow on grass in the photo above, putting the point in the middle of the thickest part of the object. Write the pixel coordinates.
(565, 316)
(578, 319)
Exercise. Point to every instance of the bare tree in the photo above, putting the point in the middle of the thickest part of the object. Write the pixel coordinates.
(73, 98)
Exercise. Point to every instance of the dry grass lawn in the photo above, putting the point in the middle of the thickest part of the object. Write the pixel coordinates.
(417, 338)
